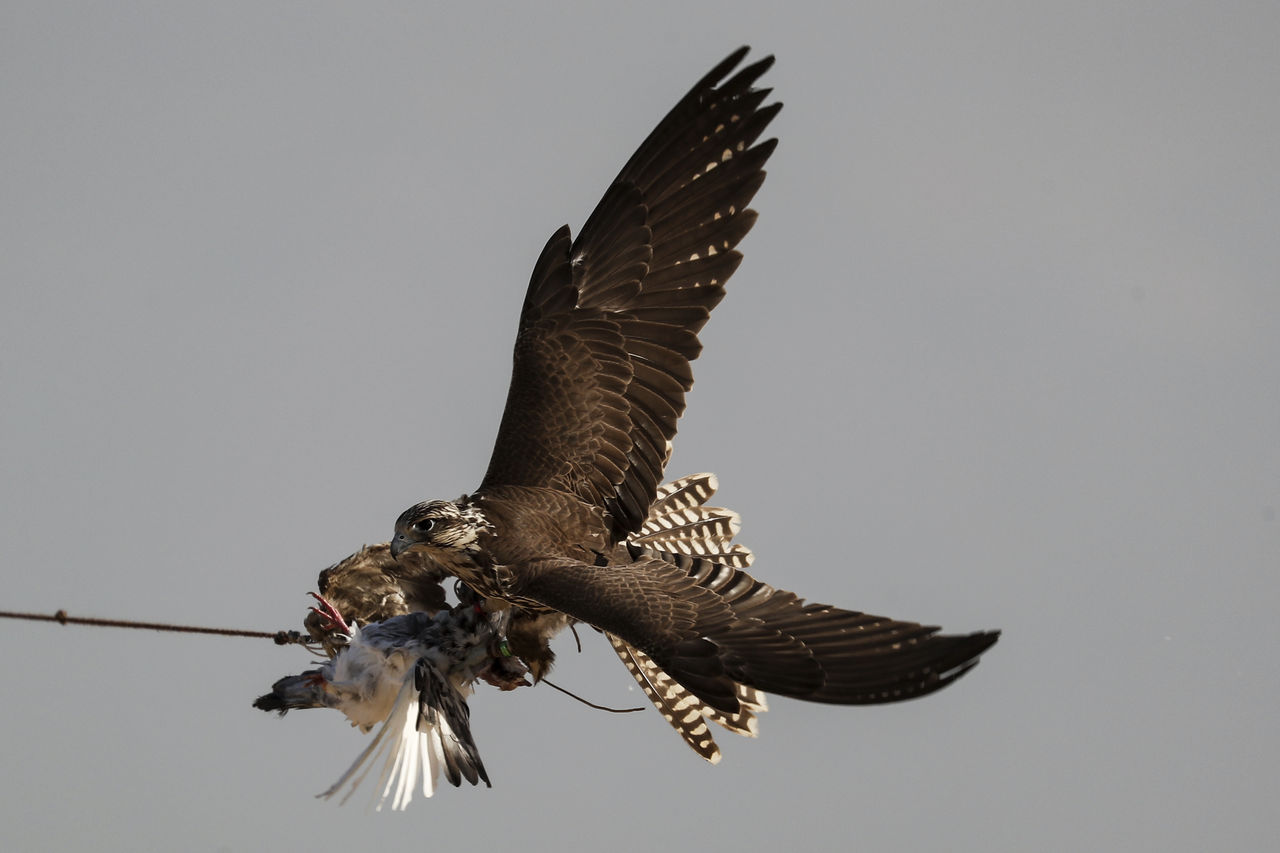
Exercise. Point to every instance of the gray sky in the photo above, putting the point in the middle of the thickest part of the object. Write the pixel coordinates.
(1004, 352)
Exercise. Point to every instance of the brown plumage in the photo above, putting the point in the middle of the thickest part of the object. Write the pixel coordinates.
(607, 332)
(372, 586)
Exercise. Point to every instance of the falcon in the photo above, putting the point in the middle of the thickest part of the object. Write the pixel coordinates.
(607, 333)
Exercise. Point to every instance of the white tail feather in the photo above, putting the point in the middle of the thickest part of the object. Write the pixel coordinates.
(402, 750)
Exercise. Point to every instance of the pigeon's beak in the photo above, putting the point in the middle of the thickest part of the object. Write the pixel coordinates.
(399, 545)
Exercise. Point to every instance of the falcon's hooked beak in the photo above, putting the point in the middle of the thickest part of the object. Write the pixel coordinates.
(399, 545)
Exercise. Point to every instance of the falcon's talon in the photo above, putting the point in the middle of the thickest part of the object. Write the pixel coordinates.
(332, 619)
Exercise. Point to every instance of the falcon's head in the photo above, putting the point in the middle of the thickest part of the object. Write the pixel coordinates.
(443, 525)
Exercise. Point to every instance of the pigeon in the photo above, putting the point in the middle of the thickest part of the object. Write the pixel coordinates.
(412, 673)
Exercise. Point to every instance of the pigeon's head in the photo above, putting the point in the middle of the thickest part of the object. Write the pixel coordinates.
(439, 526)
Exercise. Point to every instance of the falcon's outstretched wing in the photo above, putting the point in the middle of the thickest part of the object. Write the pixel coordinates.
(610, 321)
(714, 628)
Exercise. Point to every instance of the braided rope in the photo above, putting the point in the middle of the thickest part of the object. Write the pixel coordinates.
(281, 638)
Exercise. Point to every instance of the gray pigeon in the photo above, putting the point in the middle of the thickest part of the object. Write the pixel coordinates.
(412, 673)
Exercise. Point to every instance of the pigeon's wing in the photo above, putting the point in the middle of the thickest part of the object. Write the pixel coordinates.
(714, 628)
(610, 321)
(426, 732)
(443, 713)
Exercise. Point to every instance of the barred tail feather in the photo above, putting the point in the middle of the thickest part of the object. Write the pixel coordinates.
(750, 702)
(680, 522)
(686, 713)
(681, 493)
(677, 706)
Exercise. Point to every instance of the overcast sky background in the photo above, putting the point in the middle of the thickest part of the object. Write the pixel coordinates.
(1004, 352)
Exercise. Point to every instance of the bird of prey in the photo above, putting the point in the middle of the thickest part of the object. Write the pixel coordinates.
(607, 332)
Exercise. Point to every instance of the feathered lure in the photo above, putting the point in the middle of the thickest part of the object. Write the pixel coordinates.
(411, 673)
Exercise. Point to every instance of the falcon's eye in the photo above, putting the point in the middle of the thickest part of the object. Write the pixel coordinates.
(424, 526)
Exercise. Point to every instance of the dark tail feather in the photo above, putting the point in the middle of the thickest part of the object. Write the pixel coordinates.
(441, 706)
(293, 692)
